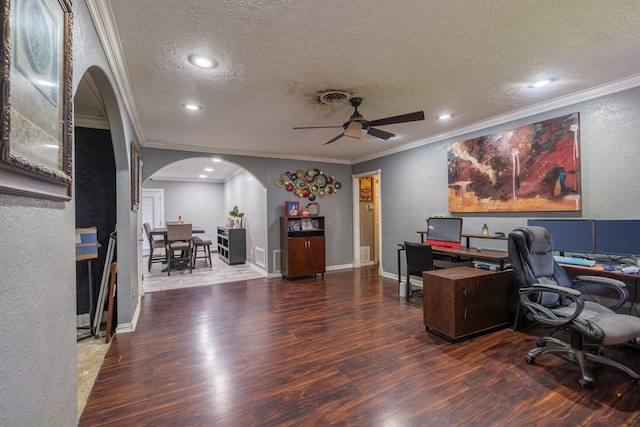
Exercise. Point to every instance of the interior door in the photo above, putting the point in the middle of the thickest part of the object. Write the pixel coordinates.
(152, 210)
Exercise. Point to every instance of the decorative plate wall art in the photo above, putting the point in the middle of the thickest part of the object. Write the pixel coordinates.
(309, 184)
(531, 168)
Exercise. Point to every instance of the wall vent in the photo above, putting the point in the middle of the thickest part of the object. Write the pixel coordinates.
(261, 257)
(365, 253)
(277, 257)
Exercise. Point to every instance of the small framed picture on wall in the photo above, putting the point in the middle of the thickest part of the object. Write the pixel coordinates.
(292, 208)
(365, 189)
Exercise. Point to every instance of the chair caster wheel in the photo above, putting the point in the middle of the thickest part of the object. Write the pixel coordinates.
(586, 385)
(530, 360)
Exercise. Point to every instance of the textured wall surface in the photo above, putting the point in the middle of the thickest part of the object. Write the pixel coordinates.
(38, 312)
(38, 284)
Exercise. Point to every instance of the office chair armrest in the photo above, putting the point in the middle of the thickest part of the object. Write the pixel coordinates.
(605, 282)
(544, 314)
(553, 288)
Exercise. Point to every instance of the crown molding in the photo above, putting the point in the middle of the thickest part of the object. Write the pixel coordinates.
(102, 16)
(213, 150)
(92, 122)
(563, 101)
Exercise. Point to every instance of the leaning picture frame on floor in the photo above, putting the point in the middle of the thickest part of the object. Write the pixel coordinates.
(37, 116)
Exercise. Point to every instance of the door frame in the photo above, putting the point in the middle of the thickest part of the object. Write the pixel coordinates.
(357, 262)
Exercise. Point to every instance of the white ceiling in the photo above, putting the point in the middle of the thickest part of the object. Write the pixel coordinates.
(474, 59)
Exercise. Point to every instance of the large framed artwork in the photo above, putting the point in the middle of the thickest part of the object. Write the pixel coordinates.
(37, 118)
(531, 168)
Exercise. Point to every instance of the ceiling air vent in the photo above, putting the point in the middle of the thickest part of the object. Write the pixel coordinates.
(334, 97)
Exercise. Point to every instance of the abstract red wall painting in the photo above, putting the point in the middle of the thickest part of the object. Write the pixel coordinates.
(532, 168)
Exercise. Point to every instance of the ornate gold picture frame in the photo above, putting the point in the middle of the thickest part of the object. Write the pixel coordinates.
(37, 117)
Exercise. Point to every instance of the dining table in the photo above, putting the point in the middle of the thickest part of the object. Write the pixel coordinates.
(162, 231)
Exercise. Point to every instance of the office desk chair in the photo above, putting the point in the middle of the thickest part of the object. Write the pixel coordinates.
(419, 259)
(179, 246)
(553, 299)
(157, 250)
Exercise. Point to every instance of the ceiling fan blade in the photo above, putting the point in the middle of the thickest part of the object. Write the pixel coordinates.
(334, 139)
(411, 117)
(380, 133)
(354, 130)
(317, 127)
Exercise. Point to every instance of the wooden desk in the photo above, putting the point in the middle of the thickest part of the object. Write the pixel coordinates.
(467, 237)
(490, 255)
(462, 302)
(498, 257)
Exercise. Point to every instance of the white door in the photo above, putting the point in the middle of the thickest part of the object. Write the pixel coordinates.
(152, 209)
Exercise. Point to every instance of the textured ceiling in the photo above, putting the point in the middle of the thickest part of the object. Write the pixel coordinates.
(471, 58)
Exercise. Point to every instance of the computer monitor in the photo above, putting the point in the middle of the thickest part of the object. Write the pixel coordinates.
(444, 232)
(569, 235)
(618, 237)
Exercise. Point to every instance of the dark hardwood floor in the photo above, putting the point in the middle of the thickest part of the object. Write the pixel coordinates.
(343, 350)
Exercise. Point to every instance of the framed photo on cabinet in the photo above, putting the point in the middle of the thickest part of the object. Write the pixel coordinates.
(292, 208)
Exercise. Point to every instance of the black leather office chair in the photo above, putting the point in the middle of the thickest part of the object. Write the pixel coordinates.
(419, 259)
(553, 299)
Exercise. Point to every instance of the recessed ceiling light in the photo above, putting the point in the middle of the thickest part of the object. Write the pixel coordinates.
(444, 116)
(202, 61)
(540, 83)
(208, 169)
(202, 176)
(192, 107)
(215, 159)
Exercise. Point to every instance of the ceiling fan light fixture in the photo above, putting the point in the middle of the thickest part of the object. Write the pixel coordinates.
(444, 116)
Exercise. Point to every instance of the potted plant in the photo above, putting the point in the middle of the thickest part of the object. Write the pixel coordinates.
(237, 217)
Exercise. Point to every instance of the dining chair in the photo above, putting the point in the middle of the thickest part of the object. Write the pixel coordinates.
(179, 247)
(157, 247)
(202, 242)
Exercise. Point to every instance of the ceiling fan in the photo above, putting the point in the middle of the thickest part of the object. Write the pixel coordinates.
(357, 125)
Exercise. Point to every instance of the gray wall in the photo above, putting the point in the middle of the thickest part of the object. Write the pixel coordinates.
(246, 192)
(37, 280)
(207, 205)
(199, 203)
(414, 183)
(337, 209)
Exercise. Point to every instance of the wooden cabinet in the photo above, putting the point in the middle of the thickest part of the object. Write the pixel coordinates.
(462, 302)
(302, 243)
(232, 245)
